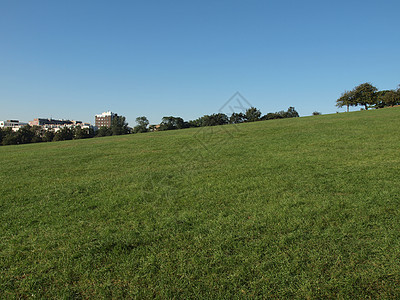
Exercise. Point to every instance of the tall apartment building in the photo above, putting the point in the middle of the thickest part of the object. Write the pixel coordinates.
(104, 119)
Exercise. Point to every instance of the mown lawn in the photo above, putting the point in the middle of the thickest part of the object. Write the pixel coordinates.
(292, 208)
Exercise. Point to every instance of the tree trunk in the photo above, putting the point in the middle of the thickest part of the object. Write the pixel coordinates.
(366, 107)
(348, 108)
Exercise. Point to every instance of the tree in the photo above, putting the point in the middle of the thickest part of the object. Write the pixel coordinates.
(346, 99)
(64, 134)
(82, 133)
(48, 136)
(252, 114)
(9, 137)
(365, 94)
(380, 99)
(391, 98)
(194, 123)
(119, 125)
(316, 113)
(291, 113)
(214, 119)
(171, 123)
(25, 135)
(103, 131)
(236, 118)
(38, 133)
(142, 125)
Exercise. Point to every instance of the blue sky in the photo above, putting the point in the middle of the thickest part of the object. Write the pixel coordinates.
(74, 59)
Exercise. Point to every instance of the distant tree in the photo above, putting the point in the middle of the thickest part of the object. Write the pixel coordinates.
(194, 123)
(103, 131)
(199, 122)
(316, 113)
(142, 124)
(171, 123)
(180, 123)
(38, 133)
(237, 118)
(25, 134)
(252, 114)
(82, 133)
(37, 139)
(91, 132)
(346, 99)
(214, 119)
(271, 116)
(9, 137)
(48, 135)
(119, 126)
(64, 134)
(168, 123)
(365, 94)
(380, 99)
(391, 98)
(78, 133)
(291, 113)
(220, 119)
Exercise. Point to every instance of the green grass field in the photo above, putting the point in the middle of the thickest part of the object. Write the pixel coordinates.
(291, 208)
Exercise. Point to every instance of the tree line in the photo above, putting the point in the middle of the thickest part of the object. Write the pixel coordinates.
(36, 134)
(252, 114)
(369, 96)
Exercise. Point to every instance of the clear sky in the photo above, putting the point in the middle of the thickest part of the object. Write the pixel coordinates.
(73, 59)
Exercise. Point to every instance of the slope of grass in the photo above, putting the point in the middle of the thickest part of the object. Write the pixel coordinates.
(305, 207)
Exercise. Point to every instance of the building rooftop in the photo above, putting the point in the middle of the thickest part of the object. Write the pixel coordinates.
(105, 114)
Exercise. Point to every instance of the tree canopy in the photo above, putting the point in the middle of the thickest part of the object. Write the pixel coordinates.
(252, 114)
(364, 94)
(346, 99)
(170, 123)
(142, 124)
(119, 125)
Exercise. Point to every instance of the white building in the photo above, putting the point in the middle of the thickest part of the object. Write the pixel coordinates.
(15, 125)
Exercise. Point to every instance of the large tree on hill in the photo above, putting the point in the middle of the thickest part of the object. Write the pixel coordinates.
(365, 94)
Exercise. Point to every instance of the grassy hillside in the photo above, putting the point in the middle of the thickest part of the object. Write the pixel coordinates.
(305, 207)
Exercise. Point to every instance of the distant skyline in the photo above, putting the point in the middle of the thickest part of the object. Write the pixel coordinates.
(75, 59)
